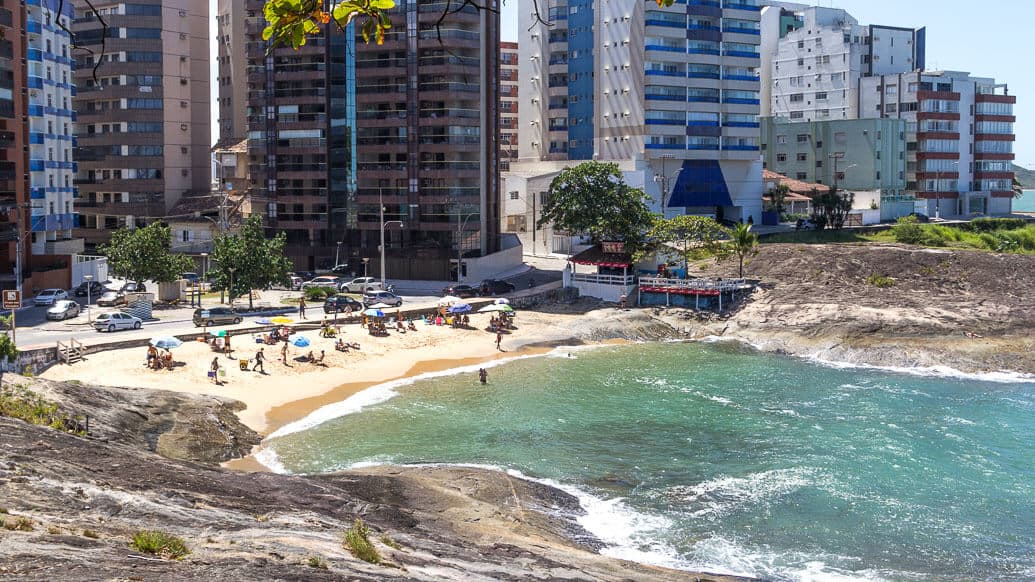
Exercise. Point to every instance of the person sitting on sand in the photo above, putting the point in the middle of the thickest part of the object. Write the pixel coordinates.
(399, 325)
(319, 361)
(411, 326)
(167, 360)
(341, 346)
(310, 357)
(152, 355)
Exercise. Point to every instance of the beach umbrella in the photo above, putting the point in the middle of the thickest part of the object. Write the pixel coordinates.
(502, 301)
(380, 306)
(300, 342)
(263, 321)
(374, 313)
(460, 308)
(449, 300)
(281, 320)
(166, 343)
(496, 308)
(221, 333)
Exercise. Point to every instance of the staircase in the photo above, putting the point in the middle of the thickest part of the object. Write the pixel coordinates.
(71, 352)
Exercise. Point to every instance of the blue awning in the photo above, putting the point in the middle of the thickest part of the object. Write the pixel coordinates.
(700, 183)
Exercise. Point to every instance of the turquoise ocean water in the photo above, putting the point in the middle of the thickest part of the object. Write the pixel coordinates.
(716, 457)
(1025, 203)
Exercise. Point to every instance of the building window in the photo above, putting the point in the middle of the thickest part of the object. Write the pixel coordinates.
(514, 195)
(801, 176)
(821, 96)
(803, 138)
(781, 157)
(802, 157)
(781, 139)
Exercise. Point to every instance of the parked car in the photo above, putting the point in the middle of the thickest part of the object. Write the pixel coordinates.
(111, 299)
(305, 275)
(117, 320)
(216, 316)
(385, 297)
(96, 289)
(339, 304)
(361, 285)
(49, 296)
(920, 217)
(341, 269)
(133, 287)
(325, 281)
(63, 309)
(461, 291)
(191, 278)
(495, 287)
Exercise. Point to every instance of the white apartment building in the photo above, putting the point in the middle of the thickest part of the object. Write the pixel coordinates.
(814, 58)
(959, 137)
(670, 93)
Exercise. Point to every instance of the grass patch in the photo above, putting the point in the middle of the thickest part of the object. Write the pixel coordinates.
(881, 281)
(316, 562)
(19, 523)
(357, 541)
(54, 530)
(390, 542)
(159, 544)
(23, 404)
(89, 533)
(816, 237)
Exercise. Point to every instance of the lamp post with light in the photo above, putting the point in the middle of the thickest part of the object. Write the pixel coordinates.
(89, 313)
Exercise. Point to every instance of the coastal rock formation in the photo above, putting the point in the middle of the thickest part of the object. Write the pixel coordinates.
(80, 499)
(888, 304)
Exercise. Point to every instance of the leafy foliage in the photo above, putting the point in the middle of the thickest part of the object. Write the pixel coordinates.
(159, 544)
(247, 260)
(778, 197)
(831, 208)
(292, 21)
(907, 231)
(23, 404)
(20, 523)
(357, 541)
(691, 237)
(880, 281)
(742, 244)
(143, 253)
(592, 199)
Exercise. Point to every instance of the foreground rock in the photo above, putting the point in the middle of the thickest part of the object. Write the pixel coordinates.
(968, 310)
(87, 496)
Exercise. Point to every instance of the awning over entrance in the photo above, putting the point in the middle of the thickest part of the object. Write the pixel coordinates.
(700, 183)
(596, 256)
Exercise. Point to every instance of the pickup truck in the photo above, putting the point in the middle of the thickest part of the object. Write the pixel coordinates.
(361, 285)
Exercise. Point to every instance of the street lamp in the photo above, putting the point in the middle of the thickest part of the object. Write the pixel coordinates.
(204, 273)
(89, 314)
(366, 263)
(663, 178)
(337, 252)
(384, 225)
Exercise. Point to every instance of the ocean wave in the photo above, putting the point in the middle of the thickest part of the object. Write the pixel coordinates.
(1001, 376)
(723, 495)
(268, 458)
(379, 393)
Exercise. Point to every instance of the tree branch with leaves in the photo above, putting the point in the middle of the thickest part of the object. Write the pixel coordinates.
(247, 260)
(142, 254)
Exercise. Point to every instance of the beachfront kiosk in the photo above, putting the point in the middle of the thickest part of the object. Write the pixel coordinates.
(613, 275)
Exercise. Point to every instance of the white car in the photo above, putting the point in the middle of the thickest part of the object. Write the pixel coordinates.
(322, 281)
(361, 285)
(49, 296)
(117, 320)
(63, 309)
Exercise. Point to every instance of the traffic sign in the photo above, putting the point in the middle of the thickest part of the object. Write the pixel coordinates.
(12, 299)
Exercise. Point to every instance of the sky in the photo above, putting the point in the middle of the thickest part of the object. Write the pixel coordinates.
(983, 38)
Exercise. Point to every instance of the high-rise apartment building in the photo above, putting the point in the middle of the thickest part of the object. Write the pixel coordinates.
(672, 93)
(301, 138)
(959, 137)
(427, 103)
(232, 71)
(813, 58)
(143, 111)
(14, 136)
(508, 104)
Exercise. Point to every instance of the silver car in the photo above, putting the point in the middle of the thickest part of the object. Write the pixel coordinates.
(63, 309)
(117, 320)
(49, 296)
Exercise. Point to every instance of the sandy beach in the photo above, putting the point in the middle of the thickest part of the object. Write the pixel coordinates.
(289, 392)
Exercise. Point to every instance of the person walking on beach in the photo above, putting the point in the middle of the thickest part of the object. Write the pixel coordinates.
(227, 350)
(213, 371)
(499, 339)
(482, 375)
(260, 357)
(283, 353)
(301, 307)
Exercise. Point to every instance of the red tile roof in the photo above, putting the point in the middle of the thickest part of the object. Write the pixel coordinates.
(796, 186)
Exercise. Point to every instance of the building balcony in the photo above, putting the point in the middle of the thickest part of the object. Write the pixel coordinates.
(938, 175)
(935, 195)
(942, 95)
(989, 98)
(953, 135)
(986, 117)
(68, 246)
(993, 175)
(993, 156)
(994, 137)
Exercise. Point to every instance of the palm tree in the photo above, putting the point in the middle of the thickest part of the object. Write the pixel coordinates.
(743, 244)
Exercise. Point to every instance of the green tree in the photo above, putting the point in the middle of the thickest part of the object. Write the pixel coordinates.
(831, 208)
(247, 260)
(778, 197)
(8, 351)
(691, 237)
(142, 254)
(1018, 188)
(742, 244)
(592, 199)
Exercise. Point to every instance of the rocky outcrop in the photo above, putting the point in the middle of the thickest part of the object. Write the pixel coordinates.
(87, 496)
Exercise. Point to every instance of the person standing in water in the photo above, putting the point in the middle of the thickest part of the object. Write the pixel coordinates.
(483, 376)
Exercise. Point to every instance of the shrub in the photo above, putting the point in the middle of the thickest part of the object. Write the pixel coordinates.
(880, 281)
(160, 544)
(89, 533)
(19, 523)
(317, 293)
(357, 541)
(907, 231)
(18, 402)
(993, 224)
(317, 562)
(390, 542)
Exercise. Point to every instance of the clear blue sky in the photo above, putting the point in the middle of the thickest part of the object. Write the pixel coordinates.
(985, 38)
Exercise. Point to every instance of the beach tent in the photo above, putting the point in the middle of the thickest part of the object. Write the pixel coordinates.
(300, 342)
(460, 308)
(502, 301)
(380, 306)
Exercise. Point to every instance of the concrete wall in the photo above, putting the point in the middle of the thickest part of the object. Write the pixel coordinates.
(97, 267)
(490, 266)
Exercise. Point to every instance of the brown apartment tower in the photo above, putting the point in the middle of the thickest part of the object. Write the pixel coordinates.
(508, 104)
(341, 126)
(14, 132)
(143, 117)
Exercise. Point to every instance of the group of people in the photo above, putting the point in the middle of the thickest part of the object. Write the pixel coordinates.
(343, 346)
(158, 361)
(277, 335)
(500, 323)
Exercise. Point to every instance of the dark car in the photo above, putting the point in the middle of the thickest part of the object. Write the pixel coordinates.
(495, 287)
(461, 291)
(341, 304)
(96, 289)
(216, 316)
(306, 275)
(132, 287)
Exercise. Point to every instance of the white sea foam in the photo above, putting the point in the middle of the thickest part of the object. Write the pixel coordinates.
(269, 459)
(720, 496)
(1001, 376)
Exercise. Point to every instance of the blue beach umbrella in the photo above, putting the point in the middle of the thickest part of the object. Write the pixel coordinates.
(460, 308)
(166, 343)
(300, 342)
(263, 321)
(374, 313)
